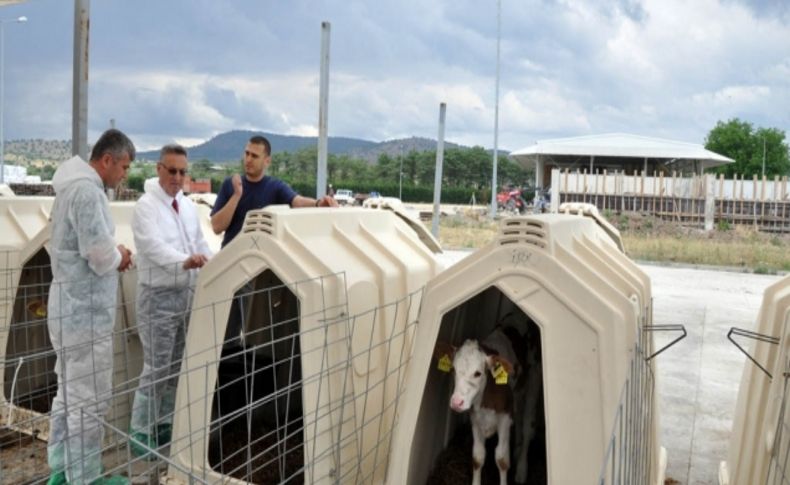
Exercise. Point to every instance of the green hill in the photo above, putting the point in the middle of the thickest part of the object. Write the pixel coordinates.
(229, 146)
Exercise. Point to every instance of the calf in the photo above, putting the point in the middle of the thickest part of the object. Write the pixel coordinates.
(489, 399)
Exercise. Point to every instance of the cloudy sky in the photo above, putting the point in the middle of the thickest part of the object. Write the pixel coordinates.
(186, 70)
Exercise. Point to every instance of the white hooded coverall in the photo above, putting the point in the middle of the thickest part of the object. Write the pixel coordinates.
(81, 315)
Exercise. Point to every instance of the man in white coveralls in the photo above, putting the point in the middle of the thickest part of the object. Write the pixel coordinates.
(81, 308)
(170, 247)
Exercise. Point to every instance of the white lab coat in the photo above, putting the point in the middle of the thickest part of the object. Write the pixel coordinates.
(164, 239)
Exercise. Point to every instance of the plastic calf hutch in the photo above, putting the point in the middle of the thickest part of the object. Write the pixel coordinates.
(563, 283)
(308, 389)
(24, 267)
(759, 443)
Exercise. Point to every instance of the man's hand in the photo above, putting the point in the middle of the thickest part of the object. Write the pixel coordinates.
(195, 261)
(237, 187)
(126, 258)
(326, 201)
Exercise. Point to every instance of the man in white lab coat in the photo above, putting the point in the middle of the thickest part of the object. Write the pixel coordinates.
(170, 247)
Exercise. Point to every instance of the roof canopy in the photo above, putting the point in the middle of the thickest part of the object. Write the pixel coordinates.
(619, 145)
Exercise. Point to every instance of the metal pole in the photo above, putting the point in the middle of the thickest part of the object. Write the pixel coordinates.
(763, 155)
(2, 106)
(496, 109)
(79, 107)
(2, 93)
(400, 180)
(437, 179)
(323, 112)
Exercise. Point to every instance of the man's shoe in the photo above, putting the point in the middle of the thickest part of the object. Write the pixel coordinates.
(163, 434)
(58, 478)
(141, 445)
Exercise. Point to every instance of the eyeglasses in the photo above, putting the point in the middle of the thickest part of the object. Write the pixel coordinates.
(174, 171)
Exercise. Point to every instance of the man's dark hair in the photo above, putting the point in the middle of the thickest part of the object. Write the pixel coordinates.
(115, 143)
(261, 140)
(171, 148)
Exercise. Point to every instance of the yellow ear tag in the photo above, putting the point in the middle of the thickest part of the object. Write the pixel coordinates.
(445, 364)
(37, 308)
(499, 373)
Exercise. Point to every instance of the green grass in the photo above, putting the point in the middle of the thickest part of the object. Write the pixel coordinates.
(649, 239)
(755, 254)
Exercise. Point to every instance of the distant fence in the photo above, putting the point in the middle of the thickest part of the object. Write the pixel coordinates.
(698, 200)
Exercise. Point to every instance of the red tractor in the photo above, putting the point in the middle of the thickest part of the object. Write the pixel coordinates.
(510, 200)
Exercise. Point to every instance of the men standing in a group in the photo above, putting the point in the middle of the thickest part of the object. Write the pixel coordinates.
(255, 190)
(81, 309)
(170, 248)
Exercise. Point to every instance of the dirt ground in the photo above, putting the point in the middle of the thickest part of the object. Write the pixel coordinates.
(637, 224)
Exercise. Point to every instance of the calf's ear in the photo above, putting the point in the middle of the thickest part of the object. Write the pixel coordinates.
(493, 360)
(443, 349)
(444, 353)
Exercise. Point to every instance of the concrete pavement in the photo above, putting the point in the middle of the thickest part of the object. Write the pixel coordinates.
(698, 378)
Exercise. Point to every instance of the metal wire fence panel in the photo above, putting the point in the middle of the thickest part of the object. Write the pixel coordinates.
(296, 388)
(779, 463)
(308, 397)
(631, 451)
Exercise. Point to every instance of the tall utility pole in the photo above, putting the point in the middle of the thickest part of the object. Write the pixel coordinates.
(437, 177)
(2, 92)
(79, 106)
(323, 113)
(496, 108)
(763, 156)
(400, 180)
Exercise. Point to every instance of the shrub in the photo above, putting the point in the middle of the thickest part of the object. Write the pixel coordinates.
(723, 225)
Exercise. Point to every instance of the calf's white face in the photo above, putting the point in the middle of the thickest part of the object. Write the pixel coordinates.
(469, 365)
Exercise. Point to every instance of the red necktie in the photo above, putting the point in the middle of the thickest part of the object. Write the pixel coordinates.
(175, 205)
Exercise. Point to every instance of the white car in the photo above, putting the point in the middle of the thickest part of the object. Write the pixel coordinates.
(344, 197)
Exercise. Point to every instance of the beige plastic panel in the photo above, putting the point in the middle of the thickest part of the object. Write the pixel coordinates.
(589, 210)
(25, 228)
(759, 398)
(395, 205)
(5, 191)
(367, 258)
(587, 300)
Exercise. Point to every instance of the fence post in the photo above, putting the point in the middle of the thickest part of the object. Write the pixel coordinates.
(754, 200)
(555, 194)
(710, 202)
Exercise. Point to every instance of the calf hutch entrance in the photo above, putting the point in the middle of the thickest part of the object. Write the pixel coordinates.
(300, 333)
(256, 414)
(450, 432)
(574, 307)
(27, 381)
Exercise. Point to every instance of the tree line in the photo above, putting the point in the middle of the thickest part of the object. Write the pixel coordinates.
(466, 172)
(756, 151)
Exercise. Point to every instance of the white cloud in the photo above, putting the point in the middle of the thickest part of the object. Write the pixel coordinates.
(738, 96)
(669, 68)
